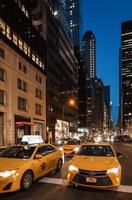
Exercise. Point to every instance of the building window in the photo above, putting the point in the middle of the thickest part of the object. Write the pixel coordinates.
(38, 93)
(8, 32)
(22, 67)
(2, 74)
(19, 84)
(2, 27)
(38, 79)
(25, 48)
(2, 53)
(22, 85)
(1, 97)
(38, 109)
(20, 43)
(15, 39)
(22, 104)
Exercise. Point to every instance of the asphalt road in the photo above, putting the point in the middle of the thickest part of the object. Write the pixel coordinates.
(55, 188)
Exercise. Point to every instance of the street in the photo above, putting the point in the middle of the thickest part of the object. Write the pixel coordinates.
(55, 188)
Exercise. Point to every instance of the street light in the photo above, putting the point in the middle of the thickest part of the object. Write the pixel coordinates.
(71, 103)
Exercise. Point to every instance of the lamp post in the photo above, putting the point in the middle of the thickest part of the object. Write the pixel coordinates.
(71, 103)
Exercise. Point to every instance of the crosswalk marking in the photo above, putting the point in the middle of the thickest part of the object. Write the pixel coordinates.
(63, 182)
(125, 188)
(56, 181)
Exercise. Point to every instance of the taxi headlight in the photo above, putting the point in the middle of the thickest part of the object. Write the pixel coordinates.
(76, 149)
(73, 168)
(61, 148)
(7, 173)
(114, 170)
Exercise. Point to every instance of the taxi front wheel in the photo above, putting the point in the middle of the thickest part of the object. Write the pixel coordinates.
(59, 165)
(26, 180)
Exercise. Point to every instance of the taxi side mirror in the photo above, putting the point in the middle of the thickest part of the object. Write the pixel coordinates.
(38, 156)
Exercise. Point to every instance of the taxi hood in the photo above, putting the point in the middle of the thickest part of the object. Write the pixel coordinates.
(11, 163)
(94, 162)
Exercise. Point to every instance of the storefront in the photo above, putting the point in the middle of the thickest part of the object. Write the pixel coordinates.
(39, 127)
(22, 127)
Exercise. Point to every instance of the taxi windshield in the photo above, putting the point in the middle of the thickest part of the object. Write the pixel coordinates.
(96, 150)
(23, 152)
(72, 142)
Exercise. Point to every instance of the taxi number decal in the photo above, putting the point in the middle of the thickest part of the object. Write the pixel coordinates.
(43, 165)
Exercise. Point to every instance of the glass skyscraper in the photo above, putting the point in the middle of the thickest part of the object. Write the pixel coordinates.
(73, 18)
(126, 73)
(89, 53)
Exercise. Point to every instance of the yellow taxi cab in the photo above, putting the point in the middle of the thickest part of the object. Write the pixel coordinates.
(95, 165)
(21, 164)
(70, 147)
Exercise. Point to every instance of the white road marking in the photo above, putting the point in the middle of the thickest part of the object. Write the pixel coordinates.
(58, 181)
(125, 188)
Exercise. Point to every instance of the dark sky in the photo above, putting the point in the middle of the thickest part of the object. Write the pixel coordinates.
(104, 18)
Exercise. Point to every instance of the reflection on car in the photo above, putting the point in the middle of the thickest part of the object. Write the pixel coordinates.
(95, 165)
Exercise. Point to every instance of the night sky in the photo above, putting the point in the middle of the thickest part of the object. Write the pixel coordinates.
(104, 18)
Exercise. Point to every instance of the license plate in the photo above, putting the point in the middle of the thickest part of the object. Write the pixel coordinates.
(91, 180)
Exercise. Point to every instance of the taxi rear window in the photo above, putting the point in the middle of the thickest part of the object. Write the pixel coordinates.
(23, 152)
(96, 150)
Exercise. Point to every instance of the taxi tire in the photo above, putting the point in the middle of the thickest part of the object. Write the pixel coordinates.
(27, 174)
(59, 165)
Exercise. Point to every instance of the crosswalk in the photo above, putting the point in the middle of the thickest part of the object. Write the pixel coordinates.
(63, 182)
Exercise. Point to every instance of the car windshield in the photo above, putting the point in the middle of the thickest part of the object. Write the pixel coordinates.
(72, 142)
(23, 152)
(96, 150)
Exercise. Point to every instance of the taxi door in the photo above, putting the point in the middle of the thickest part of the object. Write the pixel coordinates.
(52, 156)
(41, 165)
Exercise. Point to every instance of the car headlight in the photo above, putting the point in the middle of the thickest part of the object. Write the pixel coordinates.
(7, 173)
(114, 170)
(76, 149)
(73, 168)
(61, 148)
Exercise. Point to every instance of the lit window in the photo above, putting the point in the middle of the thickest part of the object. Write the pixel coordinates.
(2, 27)
(15, 39)
(25, 48)
(29, 51)
(33, 57)
(20, 44)
(37, 60)
(8, 32)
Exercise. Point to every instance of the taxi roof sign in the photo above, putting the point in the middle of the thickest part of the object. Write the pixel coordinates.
(32, 139)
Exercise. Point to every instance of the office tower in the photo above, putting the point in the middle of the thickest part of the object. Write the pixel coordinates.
(49, 18)
(73, 18)
(126, 73)
(89, 53)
